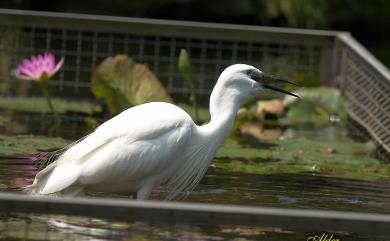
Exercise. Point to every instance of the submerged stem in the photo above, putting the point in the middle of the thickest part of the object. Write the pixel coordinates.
(194, 100)
(45, 92)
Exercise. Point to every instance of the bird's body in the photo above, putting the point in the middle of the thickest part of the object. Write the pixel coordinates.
(133, 152)
(146, 146)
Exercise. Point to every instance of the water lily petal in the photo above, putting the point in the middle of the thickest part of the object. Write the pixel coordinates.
(40, 59)
(24, 77)
(34, 60)
(26, 64)
(48, 61)
(58, 66)
(52, 61)
(26, 70)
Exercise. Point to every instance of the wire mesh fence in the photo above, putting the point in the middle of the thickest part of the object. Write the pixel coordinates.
(366, 88)
(85, 48)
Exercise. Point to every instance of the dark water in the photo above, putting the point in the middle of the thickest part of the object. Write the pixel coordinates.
(307, 191)
(287, 190)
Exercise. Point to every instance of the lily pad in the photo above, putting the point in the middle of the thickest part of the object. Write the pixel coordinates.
(348, 159)
(38, 104)
(122, 83)
(27, 144)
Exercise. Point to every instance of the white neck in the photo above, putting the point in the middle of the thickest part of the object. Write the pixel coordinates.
(224, 104)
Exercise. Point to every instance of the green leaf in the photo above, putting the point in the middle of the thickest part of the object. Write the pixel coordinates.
(123, 83)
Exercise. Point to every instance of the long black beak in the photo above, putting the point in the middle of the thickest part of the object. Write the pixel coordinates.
(267, 80)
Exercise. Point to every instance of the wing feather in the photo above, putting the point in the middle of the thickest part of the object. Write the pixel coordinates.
(104, 152)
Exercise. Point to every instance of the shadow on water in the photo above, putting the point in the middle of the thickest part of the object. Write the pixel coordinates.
(302, 190)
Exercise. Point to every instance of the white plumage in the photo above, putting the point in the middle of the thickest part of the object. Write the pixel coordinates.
(150, 145)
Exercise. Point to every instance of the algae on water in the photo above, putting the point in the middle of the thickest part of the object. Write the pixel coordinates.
(3, 120)
(39, 105)
(28, 144)
(339, 158)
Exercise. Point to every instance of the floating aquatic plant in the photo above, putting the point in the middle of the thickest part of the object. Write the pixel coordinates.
(39, 105)
(27, 144)
(41, 68)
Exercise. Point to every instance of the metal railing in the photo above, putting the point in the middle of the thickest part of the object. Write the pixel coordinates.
(195, 214)
(365, 83)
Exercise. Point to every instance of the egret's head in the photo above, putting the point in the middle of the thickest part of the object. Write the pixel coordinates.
(248, 82)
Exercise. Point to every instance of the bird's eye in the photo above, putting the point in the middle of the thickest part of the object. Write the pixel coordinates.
(249, 72)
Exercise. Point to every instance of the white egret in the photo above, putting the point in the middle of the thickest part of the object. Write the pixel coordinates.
(153, 144)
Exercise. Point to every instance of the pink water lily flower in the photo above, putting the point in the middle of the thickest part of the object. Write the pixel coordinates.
(39, 68)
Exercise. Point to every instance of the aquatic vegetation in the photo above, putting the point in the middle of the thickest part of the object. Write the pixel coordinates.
(275, 107)
(318, 106)
(36, 104)
(3, 120)
(41, 68)
(91, 123)
(27, 144)
(307, 80)
(338, 157)
(185, 68)
(203, 113)
(123, 83)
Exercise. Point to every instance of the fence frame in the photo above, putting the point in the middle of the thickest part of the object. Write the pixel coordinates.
(197, 214)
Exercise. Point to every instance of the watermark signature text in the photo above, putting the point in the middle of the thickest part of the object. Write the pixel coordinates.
(323, 237)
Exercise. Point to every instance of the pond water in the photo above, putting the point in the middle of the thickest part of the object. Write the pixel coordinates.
(307, 190)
